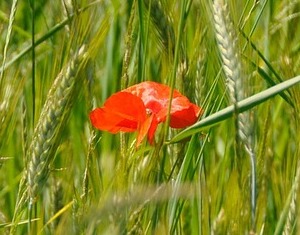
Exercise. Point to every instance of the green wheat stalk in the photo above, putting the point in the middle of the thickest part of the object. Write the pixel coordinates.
(7, 40)
(128, 47)
(226, 40)
(8, 87)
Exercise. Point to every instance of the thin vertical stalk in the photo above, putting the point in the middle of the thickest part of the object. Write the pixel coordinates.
(141, 63)
(7, 39)
(173, 217)
(32, 3)
(32, 6)
(183, 14)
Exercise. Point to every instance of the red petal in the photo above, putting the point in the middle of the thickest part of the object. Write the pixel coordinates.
(126, 110)
(154, 95)
(126, 105)
(183, 113)
(156, 98)
(121, 112)
(147, 128)
(107, 121)
(183, 118)
(152, 129)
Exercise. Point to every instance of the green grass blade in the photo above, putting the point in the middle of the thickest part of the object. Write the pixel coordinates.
(243, 105)
(260, 54)
(269, 80)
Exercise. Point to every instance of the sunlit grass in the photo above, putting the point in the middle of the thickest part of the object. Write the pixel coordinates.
(192, 181)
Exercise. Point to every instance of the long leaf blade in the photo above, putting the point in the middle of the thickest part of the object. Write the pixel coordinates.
(242, 105)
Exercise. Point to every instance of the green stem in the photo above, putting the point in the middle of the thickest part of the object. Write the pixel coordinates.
(31, 2)
(183, 15)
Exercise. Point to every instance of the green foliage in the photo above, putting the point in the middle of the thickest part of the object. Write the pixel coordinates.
(240, 62)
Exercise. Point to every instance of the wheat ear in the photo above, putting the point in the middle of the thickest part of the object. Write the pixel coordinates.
(46, 134)
(53, 117)
(226, 41)
(288, 227)
(290, 213)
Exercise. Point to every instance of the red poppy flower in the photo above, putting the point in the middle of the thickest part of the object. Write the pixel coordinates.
(141, 108)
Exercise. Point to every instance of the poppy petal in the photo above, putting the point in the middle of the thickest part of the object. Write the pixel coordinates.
(121, 112)
(127, 110)
(107, 121)
(154, 95)
(152, 129)
(144, 128)
(183, 113)
(148, 128)
(156, 99)
(127, 105)
(183, 118)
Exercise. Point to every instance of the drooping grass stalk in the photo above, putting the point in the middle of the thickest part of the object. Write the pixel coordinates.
(226, 40)
(46, 135)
